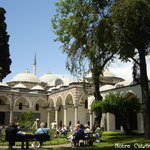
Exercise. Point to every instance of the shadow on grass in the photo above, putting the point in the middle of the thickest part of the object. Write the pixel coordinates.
(123, 138)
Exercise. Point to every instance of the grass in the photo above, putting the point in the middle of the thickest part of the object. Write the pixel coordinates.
(108, 141)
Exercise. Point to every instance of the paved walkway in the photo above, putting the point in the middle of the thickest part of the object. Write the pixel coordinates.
(48, 146)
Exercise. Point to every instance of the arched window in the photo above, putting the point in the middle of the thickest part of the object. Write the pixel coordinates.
(1, 102)
(86, 104)
(20, 106)
(60, 123)
(70, 123)
(37, 107)
(58, 82)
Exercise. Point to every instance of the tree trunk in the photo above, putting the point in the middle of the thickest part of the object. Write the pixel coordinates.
(145, 94)
(97, 95)
(96, 80)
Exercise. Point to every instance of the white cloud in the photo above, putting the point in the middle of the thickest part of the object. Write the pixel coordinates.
(124, 70)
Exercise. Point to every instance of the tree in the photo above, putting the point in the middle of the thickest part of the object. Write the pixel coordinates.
(122, 108)
(26, 120)
(86, 35)
(131, 21)
(5, 61)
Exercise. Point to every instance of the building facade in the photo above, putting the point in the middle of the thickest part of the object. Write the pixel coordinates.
(61, 99)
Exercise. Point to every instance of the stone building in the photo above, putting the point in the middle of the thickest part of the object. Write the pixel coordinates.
(53, 98)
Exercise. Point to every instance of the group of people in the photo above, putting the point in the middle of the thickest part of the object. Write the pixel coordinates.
(40, 128)
(14, 129)
(84, 129)
(61, 130)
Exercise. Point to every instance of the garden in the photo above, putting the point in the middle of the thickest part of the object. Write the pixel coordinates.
(108, 141)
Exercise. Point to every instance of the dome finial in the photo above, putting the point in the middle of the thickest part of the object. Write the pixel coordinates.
(27, 70)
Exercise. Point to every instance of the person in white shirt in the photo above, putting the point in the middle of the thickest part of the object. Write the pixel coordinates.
(63, 131)
(53, 125)
(97, 132)
(36, 124)
(87, 129)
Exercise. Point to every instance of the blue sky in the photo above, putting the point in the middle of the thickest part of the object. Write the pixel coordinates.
(30, 29)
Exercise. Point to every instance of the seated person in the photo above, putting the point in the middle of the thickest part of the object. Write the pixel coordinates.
(79, 132)
(63, 130)
(11, 132)
(75, 130)
(42, 131)
(87, 129)
(11, 129)
(97, 132)
(58, 131)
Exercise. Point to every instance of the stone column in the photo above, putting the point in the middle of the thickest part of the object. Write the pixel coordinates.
(48, 117)
(91, 119)
(110, 122)
(65, 115)
(11, 113)
(56, 115)
(76, 115)
(31, 106)
(140, 122)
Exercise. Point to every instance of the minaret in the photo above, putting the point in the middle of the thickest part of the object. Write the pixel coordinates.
(34, 65)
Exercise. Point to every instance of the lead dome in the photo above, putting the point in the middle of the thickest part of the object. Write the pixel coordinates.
(48, 78)
(25, 77)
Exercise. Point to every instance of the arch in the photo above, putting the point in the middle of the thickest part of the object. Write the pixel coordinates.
(69, 100)
(69, 94)
(129, 94)
(23, 100)
(83, 98)
(51, 103)
(5, 98)
(59, 101)
(41, 101)
(91, 99)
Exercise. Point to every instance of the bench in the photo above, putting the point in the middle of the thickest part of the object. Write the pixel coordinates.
(86, 138)
(25, 138)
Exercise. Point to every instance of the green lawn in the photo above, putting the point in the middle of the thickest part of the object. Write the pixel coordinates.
(108, 142)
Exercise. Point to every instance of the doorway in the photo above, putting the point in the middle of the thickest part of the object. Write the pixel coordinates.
(2, 118)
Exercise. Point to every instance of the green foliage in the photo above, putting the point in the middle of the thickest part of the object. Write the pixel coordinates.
(52, 133)
(2, 135)
(5, 61)
(26, 120)
(131, 22)
(115, 103)
(85, 31)
(97, 106)
(108, 141)
(122, 108)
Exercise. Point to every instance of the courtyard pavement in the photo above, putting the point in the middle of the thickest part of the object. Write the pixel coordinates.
(47, 146)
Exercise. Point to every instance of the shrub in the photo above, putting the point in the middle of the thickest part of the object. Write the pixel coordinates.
(26, 120)
(122, 108)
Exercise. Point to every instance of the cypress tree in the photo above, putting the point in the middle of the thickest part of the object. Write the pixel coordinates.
(5, 61)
